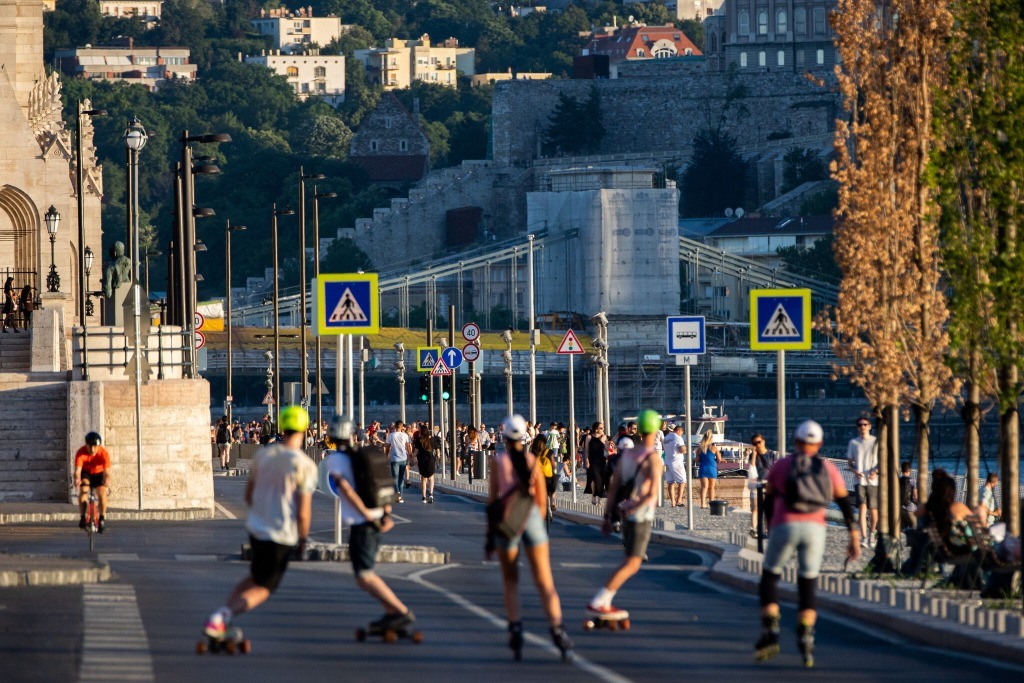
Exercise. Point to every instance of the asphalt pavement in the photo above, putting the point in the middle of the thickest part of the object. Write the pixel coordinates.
(169, 575)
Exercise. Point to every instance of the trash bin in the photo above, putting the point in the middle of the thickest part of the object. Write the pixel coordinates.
(719, 508)
(479, 464)
(567, 486)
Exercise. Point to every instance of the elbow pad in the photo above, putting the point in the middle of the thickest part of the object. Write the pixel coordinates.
(846, 506)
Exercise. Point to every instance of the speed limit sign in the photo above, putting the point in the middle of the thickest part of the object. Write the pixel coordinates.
(471, 332)
(199, 320)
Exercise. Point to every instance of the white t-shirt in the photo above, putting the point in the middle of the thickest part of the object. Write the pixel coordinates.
(399, 442)
(629, 466)
(659, 442)
(864, 456)
(339, 463)
(281, 474)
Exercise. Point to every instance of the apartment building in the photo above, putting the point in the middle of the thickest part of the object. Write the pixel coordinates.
(400, 62)
(293, 32)
(310, 74)
(148, 66)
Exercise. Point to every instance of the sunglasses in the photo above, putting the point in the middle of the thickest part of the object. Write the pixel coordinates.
(863, 424)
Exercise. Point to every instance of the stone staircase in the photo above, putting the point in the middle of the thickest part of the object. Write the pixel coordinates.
(15, 351)
(33, 430)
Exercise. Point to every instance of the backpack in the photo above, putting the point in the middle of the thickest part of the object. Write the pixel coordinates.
(372, 473)
(808, 485)
(546, 466)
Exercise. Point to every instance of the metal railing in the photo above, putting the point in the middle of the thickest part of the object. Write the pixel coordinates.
(115, 351)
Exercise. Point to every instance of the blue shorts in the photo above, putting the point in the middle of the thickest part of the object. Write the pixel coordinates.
(806, 539)
(533, 535)
(363, 543)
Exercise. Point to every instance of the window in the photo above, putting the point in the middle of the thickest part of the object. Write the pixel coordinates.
(800, 21)
(762, 59)
(293, 72)
(743, 60)
(821, 57)
(743, 22)
(666, 53)
(387, 122)
(321, 87)
(819, 21)
(800, 57)
(713, 43)
(305, 87)
(403, 145)
(639, 52)
(782, 58)
(781, 22)
(762, 23)
(320, 72)
(375, 145)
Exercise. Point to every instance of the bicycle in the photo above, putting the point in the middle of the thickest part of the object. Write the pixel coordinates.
(92, 517)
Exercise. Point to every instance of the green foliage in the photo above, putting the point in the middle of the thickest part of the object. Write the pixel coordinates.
(818, 262)
(322, 136)
(820, 204)
(715, 180)
(801, 166)
(575, 127)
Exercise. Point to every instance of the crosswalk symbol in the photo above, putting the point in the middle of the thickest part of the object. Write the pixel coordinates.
(780, 325)
(429, 360)
(348, 310)
(441, 369)
(268, 400)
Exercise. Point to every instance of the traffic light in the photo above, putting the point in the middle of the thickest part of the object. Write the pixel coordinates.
(445, 394)
(424, 389)
(464, 385)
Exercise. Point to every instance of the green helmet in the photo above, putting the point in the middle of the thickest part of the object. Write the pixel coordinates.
(293, 419)
(648, 421)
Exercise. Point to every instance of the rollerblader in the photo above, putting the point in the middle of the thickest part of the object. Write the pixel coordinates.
(516, 501)
(279, 494)
(367, 523)
(633, 491)
(799, 488)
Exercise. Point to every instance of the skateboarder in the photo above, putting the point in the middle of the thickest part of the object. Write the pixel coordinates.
(366, 526)
(279, 494)
(634, 489)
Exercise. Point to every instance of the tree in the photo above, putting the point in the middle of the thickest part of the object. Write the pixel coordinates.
(978, 172)
(323, 136)
(817, 262)
(575, 127)
(890, 319)
(801, 166)
(716, 179)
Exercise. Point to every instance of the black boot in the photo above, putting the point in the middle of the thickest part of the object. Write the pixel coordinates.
(767, 645)
(561, 640)
(515, 639)
(805, 641)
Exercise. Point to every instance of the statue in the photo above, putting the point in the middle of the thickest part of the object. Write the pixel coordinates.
(117, 280)
(119, 272)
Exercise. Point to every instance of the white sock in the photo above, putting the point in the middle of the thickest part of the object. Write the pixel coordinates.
(603, 598)
(222, 615)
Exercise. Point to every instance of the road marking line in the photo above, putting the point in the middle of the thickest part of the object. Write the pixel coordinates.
(580, 565)
(578, 660)
(118, 557)
(644, 568)
(224, 511)
(114, 642)
(195, 558)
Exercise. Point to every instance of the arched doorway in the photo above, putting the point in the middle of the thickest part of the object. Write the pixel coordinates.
(19, 237)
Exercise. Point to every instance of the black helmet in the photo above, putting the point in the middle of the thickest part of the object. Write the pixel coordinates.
(93, 439)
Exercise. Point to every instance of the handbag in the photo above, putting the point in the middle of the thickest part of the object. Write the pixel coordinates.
(508, 514)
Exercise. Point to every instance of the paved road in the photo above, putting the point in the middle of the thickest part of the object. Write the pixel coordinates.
(170, 575)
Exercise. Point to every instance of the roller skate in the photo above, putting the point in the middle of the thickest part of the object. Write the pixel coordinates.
(515, 639)
(561, 640)
(767, 645)
(805, 641)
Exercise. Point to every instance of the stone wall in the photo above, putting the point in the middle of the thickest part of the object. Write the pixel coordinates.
(665, 112)
(176, 464)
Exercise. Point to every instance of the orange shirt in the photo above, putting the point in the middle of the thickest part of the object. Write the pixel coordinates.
(92, 464)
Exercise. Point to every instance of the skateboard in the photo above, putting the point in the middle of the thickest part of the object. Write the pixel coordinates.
(389, 635)
(594, 622)
(232, 642)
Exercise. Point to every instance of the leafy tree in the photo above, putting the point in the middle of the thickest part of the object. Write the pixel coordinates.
(715, 180)
(821, 204)
(817, 261)
(575, 127)
(344, 256)
(801, 166)
(323, 136)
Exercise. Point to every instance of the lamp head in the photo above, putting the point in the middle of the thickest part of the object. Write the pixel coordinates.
(506, 336)
(400, 347)
(325, 195)
(135, 135)
(89, 257)
(600, 318)
(52, 220)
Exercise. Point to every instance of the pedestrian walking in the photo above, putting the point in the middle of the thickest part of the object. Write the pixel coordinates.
(633, 494)
(708, 458)
(9, 306)
(799, 488)
(223, 440)
(908, 498)
(862, 456)
(279, 494)
(426, 463)
(516, 498)
(596, 454)
(27, 305)
(366, 525)
(761, 463)
(675, 465)
(398, 447)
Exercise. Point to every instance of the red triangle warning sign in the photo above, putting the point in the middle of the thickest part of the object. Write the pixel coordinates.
(571, 345)
(441, 369)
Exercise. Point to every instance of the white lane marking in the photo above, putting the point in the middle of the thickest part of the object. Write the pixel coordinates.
(578, 660)
(224, 511)
(118, 557)
(644, 568)
(581, 565)
(114, 642)
(195, 558)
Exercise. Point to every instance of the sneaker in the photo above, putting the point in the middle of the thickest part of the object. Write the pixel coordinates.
(102, 525)
(400, 499)
(607, 612)
(215, 628)
(424, 500)
(431, 499)
(863, 543)
(81, 522)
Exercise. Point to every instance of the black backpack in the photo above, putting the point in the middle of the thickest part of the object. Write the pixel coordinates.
(808, 486)
(372, 473)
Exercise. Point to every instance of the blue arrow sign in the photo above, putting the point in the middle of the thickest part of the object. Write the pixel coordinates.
(452, 357)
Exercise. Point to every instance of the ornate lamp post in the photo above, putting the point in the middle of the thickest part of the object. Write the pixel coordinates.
(52, 220)
(135, 138)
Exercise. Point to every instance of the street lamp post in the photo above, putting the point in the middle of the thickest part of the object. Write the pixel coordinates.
(400, 376)
(277, 327)
(80, 189)
(52, 220)
(229, 397)
(135, 139)
(303, 177)
(533, 331)
(506, 336)
(316, 273)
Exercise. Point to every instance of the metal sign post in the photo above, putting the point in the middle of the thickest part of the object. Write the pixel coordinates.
(780, 399)
(686, 340)
(571, 346)
(689, 453)
(452, 419)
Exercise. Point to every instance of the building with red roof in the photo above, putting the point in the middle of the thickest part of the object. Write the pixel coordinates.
(641, 42)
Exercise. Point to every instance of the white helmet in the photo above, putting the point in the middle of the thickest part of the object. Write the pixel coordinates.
(341, 428)
(809, 432)
(514, 428)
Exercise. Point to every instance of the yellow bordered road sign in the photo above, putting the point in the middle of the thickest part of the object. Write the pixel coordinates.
(346, 303)
(780, 319)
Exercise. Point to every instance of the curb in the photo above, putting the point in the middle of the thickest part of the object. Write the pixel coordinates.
(184, 515)
(387, 554)
(100, 571)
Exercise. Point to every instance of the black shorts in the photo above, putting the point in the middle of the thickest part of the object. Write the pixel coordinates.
(363, 543)
(552, 485)
(867, 495)
(94, 480)
(269, 562)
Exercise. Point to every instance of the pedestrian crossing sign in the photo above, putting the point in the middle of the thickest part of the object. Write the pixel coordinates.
(780, 319)
(346, 303)
(426, 357)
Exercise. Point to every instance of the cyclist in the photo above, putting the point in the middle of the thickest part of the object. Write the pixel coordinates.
(279, 494)
(92, 466)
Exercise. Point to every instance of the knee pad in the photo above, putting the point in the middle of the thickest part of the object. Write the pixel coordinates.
(769, 590)
(808, 599)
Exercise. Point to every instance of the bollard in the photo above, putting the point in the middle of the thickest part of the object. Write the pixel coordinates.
(760, 518)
